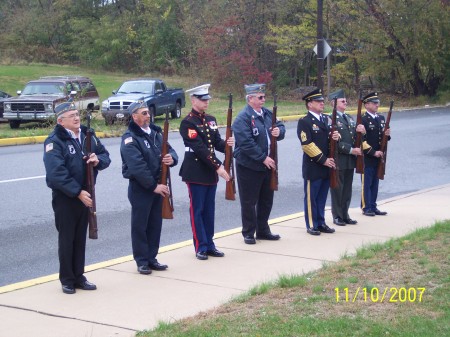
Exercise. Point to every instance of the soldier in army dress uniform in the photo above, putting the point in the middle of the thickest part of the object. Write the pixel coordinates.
(374, 125)
(341, 196)
(201, 169)
(313, 131)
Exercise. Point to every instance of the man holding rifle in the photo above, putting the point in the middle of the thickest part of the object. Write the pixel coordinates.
(253, 130)
(374, 125)
(313, 131)
(341, 196)
(201, 169)
(141, 164)
(65, 165)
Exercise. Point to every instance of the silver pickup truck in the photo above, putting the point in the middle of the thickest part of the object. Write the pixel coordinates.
(37, 101)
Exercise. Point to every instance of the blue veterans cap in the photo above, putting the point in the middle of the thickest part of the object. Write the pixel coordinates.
(64, 107)
(372, 97)
(337, 94)
(136, 105)
(201, 92)
(315, 95)
(255, 88)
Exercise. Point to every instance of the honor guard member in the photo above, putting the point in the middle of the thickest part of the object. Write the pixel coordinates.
(341, 196)
(374, 125)
(141, 165)
(313, 131)
(252, 130)
(201, 169)
(65, 166)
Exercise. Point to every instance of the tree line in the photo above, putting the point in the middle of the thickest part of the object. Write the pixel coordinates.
(397, 46)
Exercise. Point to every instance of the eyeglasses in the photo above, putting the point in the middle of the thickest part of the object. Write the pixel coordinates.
(260, 97)
(72, 116)
(343, 101)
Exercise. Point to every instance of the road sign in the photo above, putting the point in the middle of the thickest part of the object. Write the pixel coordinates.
(326, 48)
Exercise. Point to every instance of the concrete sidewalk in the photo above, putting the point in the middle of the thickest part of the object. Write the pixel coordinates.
(126, 301)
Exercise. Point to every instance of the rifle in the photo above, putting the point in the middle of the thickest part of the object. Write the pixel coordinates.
(273, 148)
(90, 185)
(230, 190)
(167, 203)
(334, 172)
(384, 145)
(358, 140)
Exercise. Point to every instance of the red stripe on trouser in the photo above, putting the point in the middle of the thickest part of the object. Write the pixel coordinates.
(191, 214)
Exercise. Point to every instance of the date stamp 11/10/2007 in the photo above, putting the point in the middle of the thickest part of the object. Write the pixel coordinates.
(376, 295)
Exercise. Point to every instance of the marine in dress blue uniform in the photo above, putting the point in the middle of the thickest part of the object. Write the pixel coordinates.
(65, 166)
(341, 196)
(140, 150)
(313, 131)
(201, 169)
(374, 124)
(252, 130)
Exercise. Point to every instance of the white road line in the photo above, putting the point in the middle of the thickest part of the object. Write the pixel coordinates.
(20, 179)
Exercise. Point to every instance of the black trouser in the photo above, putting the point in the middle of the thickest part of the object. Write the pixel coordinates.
(71, 220)
(341, 196)
(146, 223)
(256, 200)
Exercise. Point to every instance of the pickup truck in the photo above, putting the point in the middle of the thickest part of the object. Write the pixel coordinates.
(37, 101)
(154, 91)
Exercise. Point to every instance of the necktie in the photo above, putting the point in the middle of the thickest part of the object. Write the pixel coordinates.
(344, 116)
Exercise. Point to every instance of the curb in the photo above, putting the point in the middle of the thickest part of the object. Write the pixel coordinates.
(33, 140)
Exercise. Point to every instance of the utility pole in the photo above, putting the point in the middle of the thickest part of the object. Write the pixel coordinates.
(320, 52)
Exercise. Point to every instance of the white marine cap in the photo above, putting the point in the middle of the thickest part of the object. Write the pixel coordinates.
(201, 92)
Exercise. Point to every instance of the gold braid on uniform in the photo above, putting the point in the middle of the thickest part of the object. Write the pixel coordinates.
(312, 151)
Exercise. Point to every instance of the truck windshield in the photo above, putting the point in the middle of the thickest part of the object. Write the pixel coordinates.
(137, 87)
(43, 88)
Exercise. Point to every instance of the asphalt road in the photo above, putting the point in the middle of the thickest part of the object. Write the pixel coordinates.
(418, 158)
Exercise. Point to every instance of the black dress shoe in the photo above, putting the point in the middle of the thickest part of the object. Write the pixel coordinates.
(269, 236)
(378, 212)
(338, 221)
(158, 266)
(312, 231)
(215, 252)
(85, 285)
(250, 240)
(325, 229)
(68, 289)
(144, 270)
(369, 213)
(350, 221)
(201, 256)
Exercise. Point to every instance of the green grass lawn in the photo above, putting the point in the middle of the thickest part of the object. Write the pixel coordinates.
(344, 298)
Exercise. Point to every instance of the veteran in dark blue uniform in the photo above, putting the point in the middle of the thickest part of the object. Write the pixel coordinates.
(201, 169)
(65, 165)
(140, 150)
(253, 130)
(341, 196)
(374, 124)
(313, 131)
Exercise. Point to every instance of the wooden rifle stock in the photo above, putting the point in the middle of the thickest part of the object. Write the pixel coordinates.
(381, 169)
(90, 179)
(334, 172)
(274, 148)
(358, 140)
(167, 203)
(230, 190)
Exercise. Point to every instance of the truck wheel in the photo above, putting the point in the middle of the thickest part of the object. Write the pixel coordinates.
(152, 114)
(177, 112)
(14, 124)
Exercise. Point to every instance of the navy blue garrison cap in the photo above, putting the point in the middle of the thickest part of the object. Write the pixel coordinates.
(64, 107)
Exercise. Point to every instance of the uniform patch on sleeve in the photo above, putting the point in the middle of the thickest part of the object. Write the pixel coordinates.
(128, 140)
(303, 136)
(48, 147)
(192, 133)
